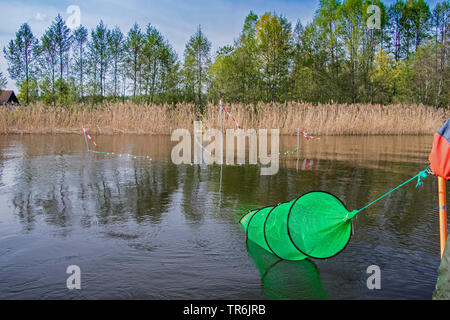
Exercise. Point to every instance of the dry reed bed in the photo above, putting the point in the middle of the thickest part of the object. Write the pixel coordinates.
(323, 119)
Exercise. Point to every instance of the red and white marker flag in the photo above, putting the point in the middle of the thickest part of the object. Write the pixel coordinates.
(308, 136)
(229, 114)
(89, 137)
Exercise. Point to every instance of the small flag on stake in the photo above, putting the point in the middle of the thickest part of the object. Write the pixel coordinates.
(232, 118)
(90, 138)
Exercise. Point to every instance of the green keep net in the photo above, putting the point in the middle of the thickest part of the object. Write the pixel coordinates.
(315, 225)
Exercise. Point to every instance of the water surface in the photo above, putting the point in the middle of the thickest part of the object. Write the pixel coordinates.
(142, 229)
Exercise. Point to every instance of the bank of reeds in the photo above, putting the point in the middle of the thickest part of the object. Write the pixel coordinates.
(323, 119)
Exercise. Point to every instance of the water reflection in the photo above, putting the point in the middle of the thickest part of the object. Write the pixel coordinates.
(180, 217)
(288, 280)
(99, 191)
(64, 188)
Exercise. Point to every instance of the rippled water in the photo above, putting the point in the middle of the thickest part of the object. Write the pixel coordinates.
(146, 229)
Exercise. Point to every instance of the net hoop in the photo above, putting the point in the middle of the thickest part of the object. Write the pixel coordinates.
(264, 231)
(292, 240)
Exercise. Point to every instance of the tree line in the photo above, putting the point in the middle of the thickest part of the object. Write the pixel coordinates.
(337, 57)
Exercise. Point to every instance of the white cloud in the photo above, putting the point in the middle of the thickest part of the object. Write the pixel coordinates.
(40, 16)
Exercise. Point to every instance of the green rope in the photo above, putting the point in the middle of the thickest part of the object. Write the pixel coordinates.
(120, 155)
(421, 175)
(287, 152)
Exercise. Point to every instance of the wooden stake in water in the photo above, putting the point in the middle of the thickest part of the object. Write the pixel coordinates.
(221, 129)
(221, 148)
(298, 145)
(85, 139)
(442, 214)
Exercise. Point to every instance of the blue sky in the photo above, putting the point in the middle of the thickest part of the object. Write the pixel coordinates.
(221, 20)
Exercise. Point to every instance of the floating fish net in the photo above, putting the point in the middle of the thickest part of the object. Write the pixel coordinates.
(315, 225)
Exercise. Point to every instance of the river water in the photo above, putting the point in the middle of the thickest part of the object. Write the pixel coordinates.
(149, 229)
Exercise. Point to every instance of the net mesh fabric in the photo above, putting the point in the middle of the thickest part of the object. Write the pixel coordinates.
(314, 225)
(277, 234)
(317, 225)
(255, 223)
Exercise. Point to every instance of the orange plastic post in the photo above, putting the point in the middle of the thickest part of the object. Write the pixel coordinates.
(442, 214)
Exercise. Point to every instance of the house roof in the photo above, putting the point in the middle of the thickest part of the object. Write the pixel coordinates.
(8, 96)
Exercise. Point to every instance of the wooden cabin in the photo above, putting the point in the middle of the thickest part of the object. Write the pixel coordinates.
(7, 97)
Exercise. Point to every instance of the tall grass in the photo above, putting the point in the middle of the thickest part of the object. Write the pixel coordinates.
(323, 119)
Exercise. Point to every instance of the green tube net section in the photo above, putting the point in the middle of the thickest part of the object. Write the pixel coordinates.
(315, 225)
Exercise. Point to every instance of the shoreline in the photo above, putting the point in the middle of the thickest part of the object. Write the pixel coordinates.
(316, 120)
(38, 133)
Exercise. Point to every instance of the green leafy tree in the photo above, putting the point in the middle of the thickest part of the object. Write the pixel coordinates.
(115, 52)
(98, 51)
(415, 22)
(63, 40)
(248, 61)
(395, 27)
(80, 37)
(384, 77)
(152, 54)
(351, 26)
(47, 92)
(28, 90)
(169, 75)
(440, 20)
(235, 73)
(196, 64)
(421, 18)
(133, 55)
(274, 40)
(48, 59)
(373, 40)
(425, 81)
(66, 92)
(310, 67)
(21, 57)
(327, 19)
(334, 58)
(226, 79)
(440, 23)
